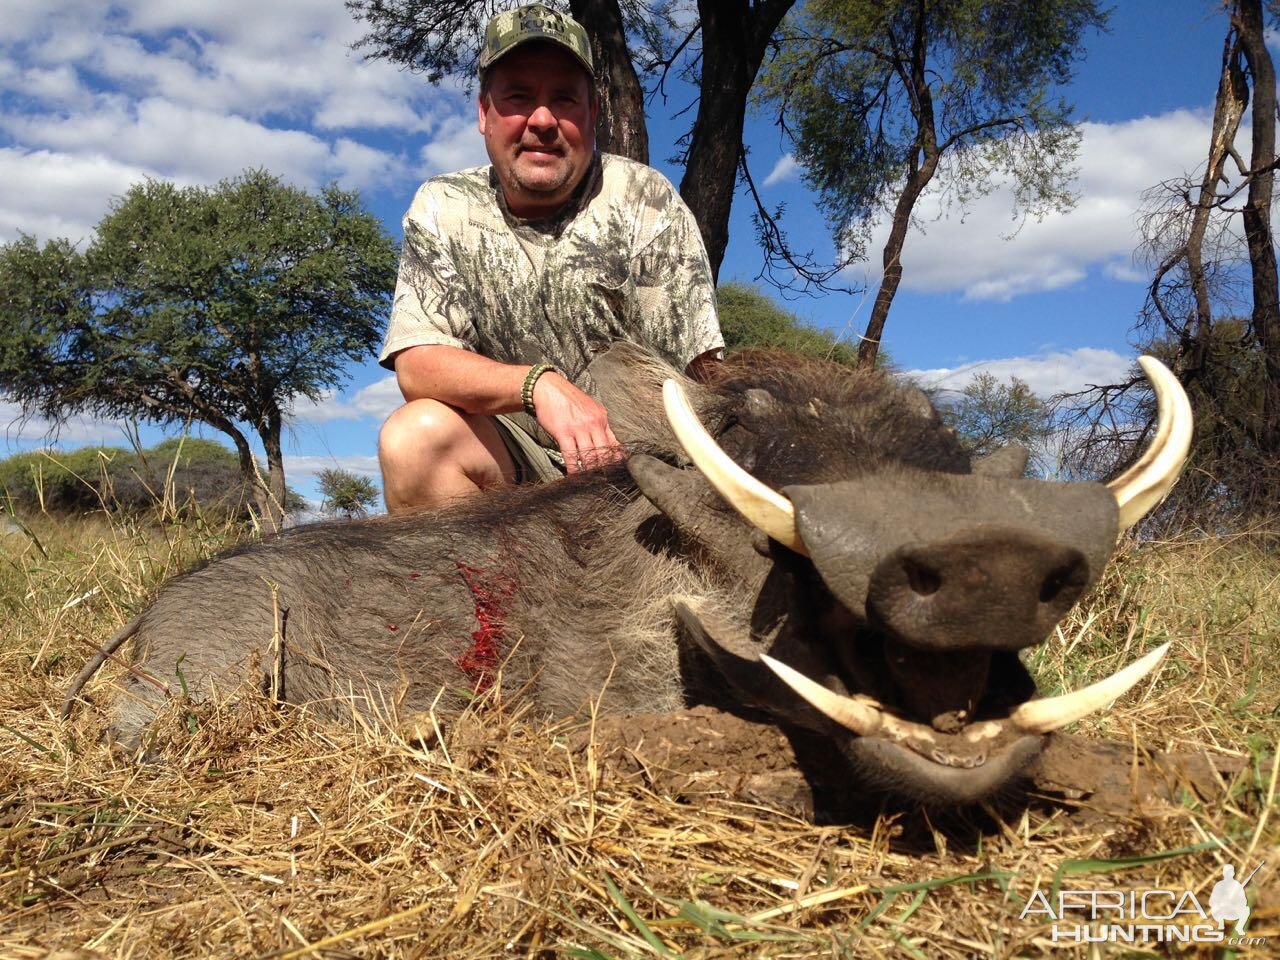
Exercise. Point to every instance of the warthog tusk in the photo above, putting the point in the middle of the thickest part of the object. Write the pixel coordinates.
(862, 718)
(1053, 713)
(865, 717)
(763, 507)
(1140, 488)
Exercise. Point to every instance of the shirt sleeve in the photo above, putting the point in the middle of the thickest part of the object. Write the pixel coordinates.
(430, 305)
(675, 295)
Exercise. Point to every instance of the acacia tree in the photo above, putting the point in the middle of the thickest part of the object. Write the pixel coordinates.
(989, 414)
(347, 493)
(721, 53)
(880, 97)
(220, 305)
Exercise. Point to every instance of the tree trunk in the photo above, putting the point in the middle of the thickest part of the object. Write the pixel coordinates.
(273, 506)
(248, 467)
(621, 127)
(869, 347)
(734, 38)
(1247, 19)
(921, 166)
(1228, 109)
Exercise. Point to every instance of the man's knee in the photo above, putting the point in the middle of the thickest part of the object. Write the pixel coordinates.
(431, 452)
(421, 431)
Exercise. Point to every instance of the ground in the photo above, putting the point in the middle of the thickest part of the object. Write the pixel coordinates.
(262, 832)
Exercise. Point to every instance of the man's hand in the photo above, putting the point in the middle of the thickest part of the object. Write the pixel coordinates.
(577, 422)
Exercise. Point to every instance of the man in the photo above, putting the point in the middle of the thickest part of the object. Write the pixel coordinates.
(514, 276)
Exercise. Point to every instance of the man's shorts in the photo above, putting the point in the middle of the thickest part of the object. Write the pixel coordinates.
(534, 462)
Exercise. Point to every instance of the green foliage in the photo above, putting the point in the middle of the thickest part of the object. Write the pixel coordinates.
(345, 492)
(751, 318)
(58, 482)
(871, 110)
(190, 471)
(990, 414)
(190, 451)
(217, 305)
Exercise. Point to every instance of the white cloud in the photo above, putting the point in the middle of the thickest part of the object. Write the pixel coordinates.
(195, 92)
(57, 86)
(186, 143)
(52, 194)
(24, 20)
(457, 145)
(248, 23)
(1046, 373)
(785, 169)
(75, 432)
(297, 467)
(987, 254)
(373, 402)
(356, 165)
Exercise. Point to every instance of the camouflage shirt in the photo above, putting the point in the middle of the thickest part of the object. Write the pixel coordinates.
(623, 261)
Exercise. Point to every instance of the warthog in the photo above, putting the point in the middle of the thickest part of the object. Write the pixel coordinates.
(831, 557)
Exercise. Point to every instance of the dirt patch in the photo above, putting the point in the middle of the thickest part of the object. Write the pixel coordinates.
(700, 753)
(1106, 778)
(704, 752)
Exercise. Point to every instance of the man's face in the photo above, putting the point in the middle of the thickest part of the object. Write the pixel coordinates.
(538, 121)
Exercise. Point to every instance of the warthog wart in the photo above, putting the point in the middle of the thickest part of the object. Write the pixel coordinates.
(797, 537)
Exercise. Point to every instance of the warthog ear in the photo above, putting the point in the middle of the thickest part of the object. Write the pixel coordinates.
(685, 497)
(730, 647)
(916, 402)
(1010, 461)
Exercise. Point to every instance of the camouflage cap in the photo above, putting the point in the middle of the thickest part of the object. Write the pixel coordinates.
(506, 31)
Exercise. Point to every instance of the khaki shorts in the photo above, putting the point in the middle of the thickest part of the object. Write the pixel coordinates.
(534, 462)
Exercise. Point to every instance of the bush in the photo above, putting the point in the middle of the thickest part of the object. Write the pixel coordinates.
(70, 482)
(346, 493)
(751, 318)
(183, 473)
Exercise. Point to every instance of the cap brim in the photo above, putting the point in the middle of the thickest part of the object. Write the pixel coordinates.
(541, 39)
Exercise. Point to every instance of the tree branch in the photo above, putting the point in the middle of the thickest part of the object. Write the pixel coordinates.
(777, 252)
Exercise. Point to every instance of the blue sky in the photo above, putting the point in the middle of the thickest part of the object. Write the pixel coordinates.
(95, 96)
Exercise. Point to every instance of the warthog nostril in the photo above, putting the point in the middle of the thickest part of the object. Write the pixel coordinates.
(923, 580)
(1065, 583)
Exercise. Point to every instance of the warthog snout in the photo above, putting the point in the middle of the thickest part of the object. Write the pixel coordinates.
(992, 590)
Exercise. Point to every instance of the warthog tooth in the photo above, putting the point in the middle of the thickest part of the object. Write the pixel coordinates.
(1053, 713)
(862, 718)
(763, 507)
(1140, 488)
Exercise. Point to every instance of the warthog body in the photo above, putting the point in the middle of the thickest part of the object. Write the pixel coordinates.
(920, 578)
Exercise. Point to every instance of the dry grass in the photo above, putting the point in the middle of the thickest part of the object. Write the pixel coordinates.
(264, 833)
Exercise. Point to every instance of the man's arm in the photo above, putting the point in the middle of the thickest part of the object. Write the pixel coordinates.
(476, 384)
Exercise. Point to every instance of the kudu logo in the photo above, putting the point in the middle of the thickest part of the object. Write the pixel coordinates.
(1147, 916)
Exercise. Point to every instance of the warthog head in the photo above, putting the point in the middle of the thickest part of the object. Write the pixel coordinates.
(894, 583)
